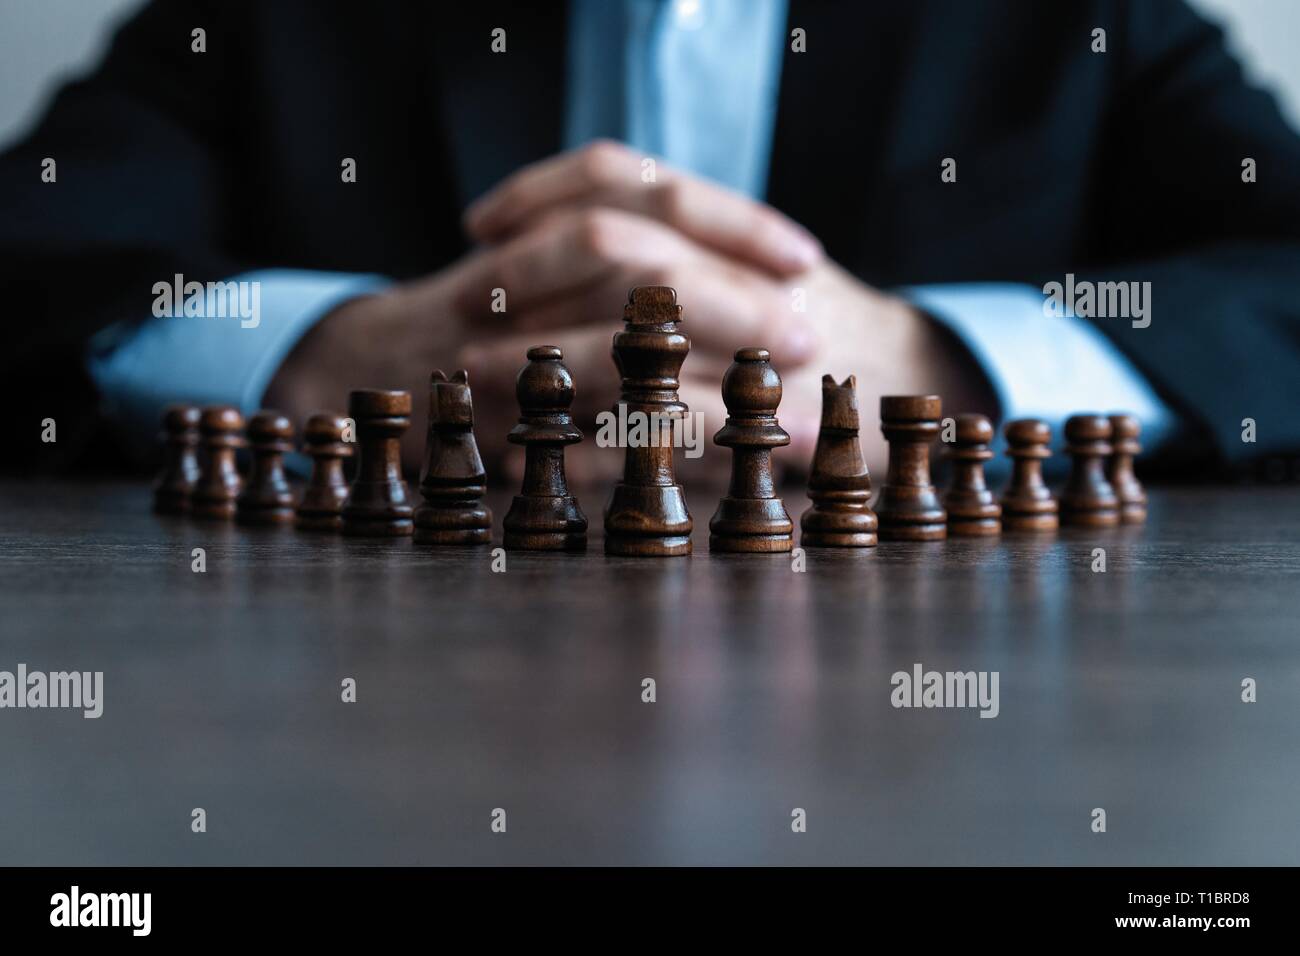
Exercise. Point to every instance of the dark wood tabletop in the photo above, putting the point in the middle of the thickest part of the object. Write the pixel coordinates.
(522, 691)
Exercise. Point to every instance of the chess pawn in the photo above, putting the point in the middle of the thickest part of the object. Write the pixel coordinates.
(647, 513)
(452, 481)
(180, 473)
(908, 507)
(840, 488)
(751, 517)
(1027, 504)
(267, 497)
(1088, 498)
(1125, 430)
(972, 509)
(219, 482)
(321, 507)
(377, 504)
(544, 516)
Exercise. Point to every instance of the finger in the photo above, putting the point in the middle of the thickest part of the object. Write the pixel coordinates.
(566, 252)
(608, 174)
(725, 222)
(552, 181)
(723, 309)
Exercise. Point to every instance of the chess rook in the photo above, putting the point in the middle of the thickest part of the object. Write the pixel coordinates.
(220, 428)
(839, 487)
(267, 497)
(908, 508)
(321, 507)
(1088, 499)
(1027, 503)
(647, 513)
(180, 472)
(972, 509)
(452, 479)
(751, 517)
(544, 516)
(377, 504)
(1125, 430)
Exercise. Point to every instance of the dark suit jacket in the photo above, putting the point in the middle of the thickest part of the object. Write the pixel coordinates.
(1124, 164)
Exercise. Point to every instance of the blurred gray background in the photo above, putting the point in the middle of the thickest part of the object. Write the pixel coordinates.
(44, 42)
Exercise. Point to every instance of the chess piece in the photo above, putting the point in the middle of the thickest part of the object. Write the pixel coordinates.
(1088, 499)
(751, 517)
(377, 504)
(219, 482)
(452, 481)
(840, 488)
(180, 435)
(972, 509)
(544, 516)
(267, 497)
(647, 513)
(1027, 504)
(1125, 430)
(908, 507)
(321, 507)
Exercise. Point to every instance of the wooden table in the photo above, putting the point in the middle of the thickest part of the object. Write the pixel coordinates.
(522, 690)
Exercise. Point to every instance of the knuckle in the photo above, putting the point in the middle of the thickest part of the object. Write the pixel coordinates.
(766, 230)
(599, 161)
(672, 201)
(508, 274)
(599, 233)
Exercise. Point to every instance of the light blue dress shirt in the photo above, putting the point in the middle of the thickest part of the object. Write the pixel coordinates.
(694, 82)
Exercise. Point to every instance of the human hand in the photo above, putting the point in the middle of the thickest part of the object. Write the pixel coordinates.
(558, 270)
(561, 259)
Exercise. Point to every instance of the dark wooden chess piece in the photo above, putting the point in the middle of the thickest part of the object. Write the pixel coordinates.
(377, 504)
(544, 516)
(647, 513)
(267, 497)
(839, 487)
(1027, 503)
(972, 509)
(321, 507)
(180, 473)
(1125, 430)
(751, 517)
(452, 481)
(220, 428)
(908, 507)
(1088, 499)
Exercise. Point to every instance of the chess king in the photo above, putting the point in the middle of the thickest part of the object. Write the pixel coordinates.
(647, 513)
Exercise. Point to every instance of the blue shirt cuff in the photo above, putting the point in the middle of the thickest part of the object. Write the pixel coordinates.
(1041, 365)
(216, 347)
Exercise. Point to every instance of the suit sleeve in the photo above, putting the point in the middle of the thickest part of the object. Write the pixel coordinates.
(1221, 253)
(136, 196)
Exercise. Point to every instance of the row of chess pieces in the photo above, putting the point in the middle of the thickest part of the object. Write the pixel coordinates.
(647, 512)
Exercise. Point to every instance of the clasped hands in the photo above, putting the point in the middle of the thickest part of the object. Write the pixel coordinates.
(558, 245)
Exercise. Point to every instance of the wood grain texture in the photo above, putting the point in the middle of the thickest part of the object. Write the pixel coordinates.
(522, 690)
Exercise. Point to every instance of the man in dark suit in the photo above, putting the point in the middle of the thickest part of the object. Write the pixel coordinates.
(1029, 208)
